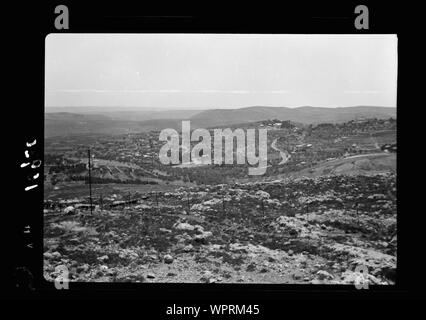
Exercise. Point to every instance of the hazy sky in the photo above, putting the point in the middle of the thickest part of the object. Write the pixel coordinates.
(220, 71)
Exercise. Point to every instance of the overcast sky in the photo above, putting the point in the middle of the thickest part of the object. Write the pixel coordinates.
(202, 71)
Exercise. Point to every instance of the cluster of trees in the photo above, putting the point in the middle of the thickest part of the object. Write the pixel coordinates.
(328, 130)
(53, 159)
(98, 180)
(68, 169)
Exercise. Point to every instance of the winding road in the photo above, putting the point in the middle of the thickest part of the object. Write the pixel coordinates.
(285, 156)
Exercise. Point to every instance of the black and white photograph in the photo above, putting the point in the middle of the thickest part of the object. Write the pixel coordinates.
(220, 158)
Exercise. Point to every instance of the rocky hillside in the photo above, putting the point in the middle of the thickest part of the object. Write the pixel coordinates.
(308, 230)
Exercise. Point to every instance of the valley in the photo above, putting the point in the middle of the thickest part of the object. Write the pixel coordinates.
(312, 218)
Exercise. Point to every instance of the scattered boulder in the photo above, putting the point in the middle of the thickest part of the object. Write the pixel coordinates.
(202, 237)
(350, 277)
(297, 275)
(199, 229)
(48, 255)
(188, 248)
(103, 268)
(262, 194)
(207, 277)
(112, 272)
(215, 247)
(212, 202)
(184, 226)
(103, 258)
(168, 258)
(69, 210)
(56, 255)
(128, 254)
(324, 275)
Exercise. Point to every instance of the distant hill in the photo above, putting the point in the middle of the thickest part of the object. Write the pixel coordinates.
(131, 121)
(131, 114)
(306, 115)
(134, 115)
(63, 123)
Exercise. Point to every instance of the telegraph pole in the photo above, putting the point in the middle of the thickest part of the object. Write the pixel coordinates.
(90, 182)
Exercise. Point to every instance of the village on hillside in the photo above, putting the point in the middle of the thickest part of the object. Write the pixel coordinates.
(326, 204)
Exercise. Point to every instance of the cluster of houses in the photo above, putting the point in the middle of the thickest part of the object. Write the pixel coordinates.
(133, 148)
(275, 124)
(388, 147)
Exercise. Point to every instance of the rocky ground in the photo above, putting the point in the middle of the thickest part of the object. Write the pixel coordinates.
(307, 230)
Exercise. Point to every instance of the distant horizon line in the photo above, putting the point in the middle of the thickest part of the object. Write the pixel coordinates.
(211, 108)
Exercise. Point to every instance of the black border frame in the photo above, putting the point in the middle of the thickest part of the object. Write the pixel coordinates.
(27, 54)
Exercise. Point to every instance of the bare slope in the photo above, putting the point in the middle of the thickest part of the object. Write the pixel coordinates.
(368, 164)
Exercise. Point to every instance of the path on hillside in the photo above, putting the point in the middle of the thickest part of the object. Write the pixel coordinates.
(285, 156)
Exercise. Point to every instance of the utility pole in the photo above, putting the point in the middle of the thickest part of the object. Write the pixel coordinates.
(90, 182)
